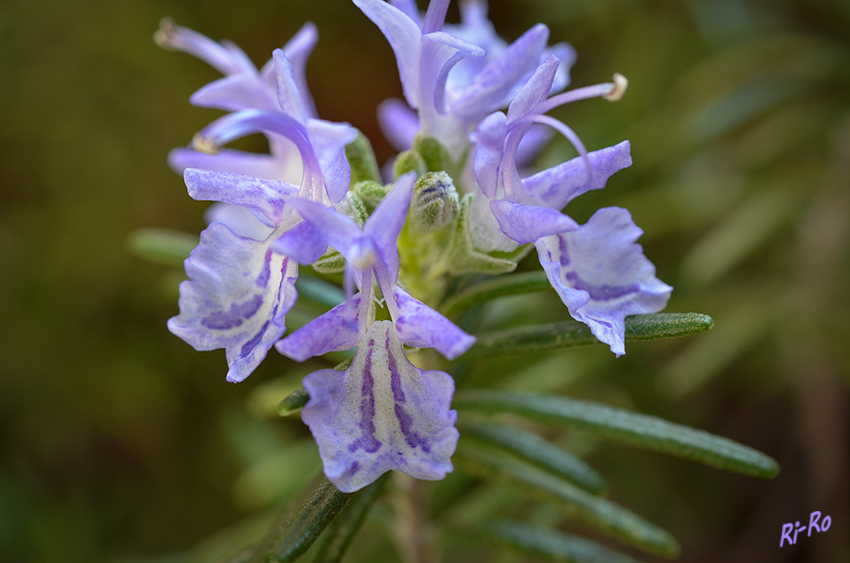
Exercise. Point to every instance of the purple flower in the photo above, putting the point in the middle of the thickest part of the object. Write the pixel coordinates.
(597, 269)
(382, 413)
(453, 75)
(239, 290)
(243, 87)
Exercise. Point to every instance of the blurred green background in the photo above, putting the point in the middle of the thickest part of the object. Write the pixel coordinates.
(120, 443)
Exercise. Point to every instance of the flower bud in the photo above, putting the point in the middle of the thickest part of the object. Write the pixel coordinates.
(370, 193)
(408, 161)
(435, 202)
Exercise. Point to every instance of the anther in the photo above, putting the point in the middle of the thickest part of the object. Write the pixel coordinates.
(619, 89)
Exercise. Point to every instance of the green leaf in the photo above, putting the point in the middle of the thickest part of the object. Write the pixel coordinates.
(164, 246)
(293, 403)
(549, 543)
(319, 291)
(627, 427)
(346, 526)
(602, 514)
(502, 286)
(554, 336)
(289, 542)
(534, 449)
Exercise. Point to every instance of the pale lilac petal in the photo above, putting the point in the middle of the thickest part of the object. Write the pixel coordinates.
(489, 141)
(227, 59)
(409, 8)
(236, 298)
(298, 50)
(526, 223)
(302, 243)
(535, 91)
(557, 186)
(338, 329)
(567, 55)
(398, 122)
(386, 222)
(491, 88)
(440, 52)
(238, 219)
(266, 198)
(329, 141)
(236, 125)
(234, 93)
(601, 274)
(226, 160)
(288, 96)
(404, 36)
(338, 230)
(420, 326)
(381, 414)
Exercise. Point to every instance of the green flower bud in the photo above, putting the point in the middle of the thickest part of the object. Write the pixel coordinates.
(361, 157)
(436, 156)
(371, 193)
(407, 161)
(354, 206)
(435, 202)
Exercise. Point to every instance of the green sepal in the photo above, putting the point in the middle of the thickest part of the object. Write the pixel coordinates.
(435, 155)
(630, 428)
(164, 246)
(370, 193)
(288, 542)
(547, 542)
(348, 523)
(361, 158)
(293, 403)
(331, 262)
(554, 336)
(462, 258)
(602, 514)
(354, 206)
(514, 284)
(532, 448)
(408, 161)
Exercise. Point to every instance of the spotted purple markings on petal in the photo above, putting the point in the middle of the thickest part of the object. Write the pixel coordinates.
(266, 272)
(565, 254)
(601, 292)
(405, 421)
(367, 440)
(248, 346)
(238, 313)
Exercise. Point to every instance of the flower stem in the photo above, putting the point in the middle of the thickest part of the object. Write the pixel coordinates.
(413, 531)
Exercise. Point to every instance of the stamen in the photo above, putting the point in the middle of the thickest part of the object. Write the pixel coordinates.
(166, 34)
(365, 299)
(567, 132)
(596, 91)
(204, 144)
(435, 17)
(619, 90)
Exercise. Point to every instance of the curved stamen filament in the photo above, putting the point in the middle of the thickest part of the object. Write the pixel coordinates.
(435, 17)
(567, 132)
(611, 91)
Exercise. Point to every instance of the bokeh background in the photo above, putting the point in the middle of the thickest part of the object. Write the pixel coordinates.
(120, 443)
